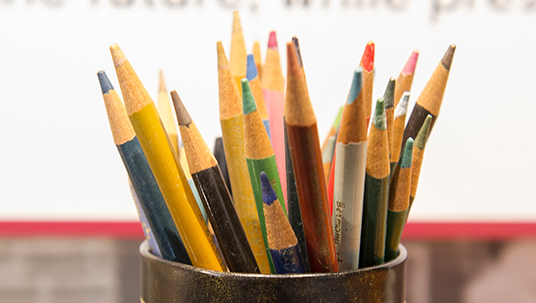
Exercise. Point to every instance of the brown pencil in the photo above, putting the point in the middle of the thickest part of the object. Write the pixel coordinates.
(304, 143)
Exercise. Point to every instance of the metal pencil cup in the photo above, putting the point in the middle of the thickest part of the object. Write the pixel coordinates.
(166, 282)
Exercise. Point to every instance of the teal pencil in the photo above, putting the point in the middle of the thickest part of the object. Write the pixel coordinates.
(143, 181)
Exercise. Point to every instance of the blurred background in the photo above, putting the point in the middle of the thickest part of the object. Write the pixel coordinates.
(68, 225)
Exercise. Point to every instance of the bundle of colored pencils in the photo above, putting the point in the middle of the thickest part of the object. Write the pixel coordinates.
(271, 200)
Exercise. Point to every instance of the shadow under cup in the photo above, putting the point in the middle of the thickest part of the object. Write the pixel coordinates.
(165, 282)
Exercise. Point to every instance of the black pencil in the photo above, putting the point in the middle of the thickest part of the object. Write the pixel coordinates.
(215, 195)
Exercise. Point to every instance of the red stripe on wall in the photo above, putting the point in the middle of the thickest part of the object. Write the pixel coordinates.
(122, 230)
(494, 231)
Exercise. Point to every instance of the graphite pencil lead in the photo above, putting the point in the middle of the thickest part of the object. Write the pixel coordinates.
(182, 114)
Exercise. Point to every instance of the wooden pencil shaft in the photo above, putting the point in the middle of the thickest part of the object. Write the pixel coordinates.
(175, 190)
(312, 195)
(396, 220)
(294, 213)
(219, 154)
(153, 204)
(224, 220)
(165, 166)
(374, 224)
(255, 167)
(348, 202)
(244, 200)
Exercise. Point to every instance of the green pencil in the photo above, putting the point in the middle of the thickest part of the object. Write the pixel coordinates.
(398, 202)
(418, 154)
(259, 157)
(373, 226)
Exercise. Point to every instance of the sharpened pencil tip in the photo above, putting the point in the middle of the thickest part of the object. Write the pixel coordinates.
(248, 102)
(296, 43)
(183, 116)
(407, 156)
(272, 40)
(367, 61)
(389, 94)
(357, 84)
(105, 84)
(162, 84)
(409, 68)
(402, 106)
(251, 69)
(268, 193)
(449, 55)
(118, 56)
(422, 136)
(379, 120)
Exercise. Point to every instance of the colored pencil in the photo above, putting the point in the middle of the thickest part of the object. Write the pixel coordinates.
(389, 102)
(184, 164)
(165, 166)
(273, 89)
(349, 179)
(398, 202)
(143, 182)
(166, 113)
(282, 241)
(219, 154)
(367, 62)
(149, 236)
(429, 102)
(418, 156)
(405, 79)
(259, 157)
(308, 170)
(232, 127)
(215, 196)
(328, 147)
(293, 206)
(258, 58)
(399, 125)
(237, 57)
(256, 90)
(373, 229)
(170, 125)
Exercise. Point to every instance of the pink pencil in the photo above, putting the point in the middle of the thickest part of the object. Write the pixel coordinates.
(273, 88)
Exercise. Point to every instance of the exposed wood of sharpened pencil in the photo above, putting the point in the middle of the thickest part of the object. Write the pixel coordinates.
(398, 202)
(349, 176)
(142, 180)
(255, 85)
(258, 58)
(388, 98)
(259, 156)
(232, 126)
(293, 206)
(165, 166)
(215, 195)
(399, 125)
(367, 62)
(282, 241)
(418, 157)
(308, 170)
(373, 227)
(429, 102)
(405, 79)
(237, 57)
(166, 113)
(273, 88)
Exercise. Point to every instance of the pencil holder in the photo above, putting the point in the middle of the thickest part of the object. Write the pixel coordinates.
(165, 281)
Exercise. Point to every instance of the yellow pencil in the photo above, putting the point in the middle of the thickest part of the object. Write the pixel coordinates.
(232, 127)
(238, 54)
(165, 166)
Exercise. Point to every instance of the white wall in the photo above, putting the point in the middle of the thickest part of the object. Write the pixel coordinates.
(58, 160)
